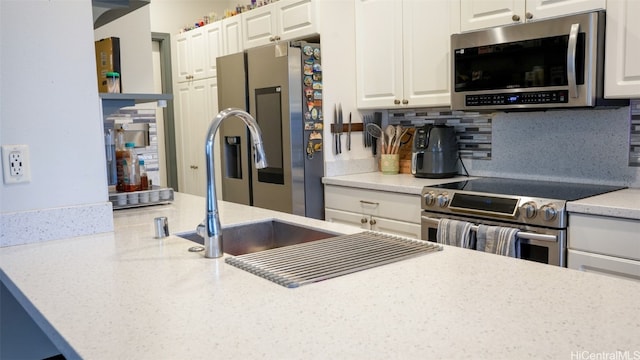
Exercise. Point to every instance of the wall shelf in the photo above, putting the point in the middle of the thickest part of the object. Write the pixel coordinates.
(111, 102)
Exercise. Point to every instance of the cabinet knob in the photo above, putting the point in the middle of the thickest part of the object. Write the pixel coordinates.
(396, 101)
(363, 220)
(372, 222)
(515, 17)
(528, 15)
(405, 101)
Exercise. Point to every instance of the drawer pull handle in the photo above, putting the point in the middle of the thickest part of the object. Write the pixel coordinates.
(365, 202)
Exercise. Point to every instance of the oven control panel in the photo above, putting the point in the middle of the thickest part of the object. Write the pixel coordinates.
(517, 209)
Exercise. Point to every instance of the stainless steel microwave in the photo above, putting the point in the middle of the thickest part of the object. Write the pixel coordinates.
(554, 63)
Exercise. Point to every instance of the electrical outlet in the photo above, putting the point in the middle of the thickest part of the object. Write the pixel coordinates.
(15, 164)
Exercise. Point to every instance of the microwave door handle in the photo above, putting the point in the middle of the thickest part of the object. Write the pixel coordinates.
(571, 60)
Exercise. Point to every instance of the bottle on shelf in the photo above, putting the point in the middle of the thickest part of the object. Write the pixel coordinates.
(120, 156)
(144, 179)
(132, 172)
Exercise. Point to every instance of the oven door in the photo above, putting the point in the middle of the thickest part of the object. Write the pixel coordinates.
(536, 243)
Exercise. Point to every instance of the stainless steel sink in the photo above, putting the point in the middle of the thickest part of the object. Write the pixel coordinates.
(264, 235)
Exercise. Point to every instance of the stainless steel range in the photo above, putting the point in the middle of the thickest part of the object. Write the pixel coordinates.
(536, 208)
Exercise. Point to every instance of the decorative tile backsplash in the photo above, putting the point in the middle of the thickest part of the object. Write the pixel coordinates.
(473, 129)
(634, 134)
(584, 145)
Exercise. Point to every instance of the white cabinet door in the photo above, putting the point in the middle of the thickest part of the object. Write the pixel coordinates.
(194, 114)
(191, 55)
(395, 227)
(602, 264)
(379, 53)
(259, 26)
(198, 53)
(405, 63)
(297, 19)
(214, 47)
(622, 59)
(542, 9)
(232, 35)
(282, 20)
(479, 14)
(182, 57)
(346, 218)
(427, 61)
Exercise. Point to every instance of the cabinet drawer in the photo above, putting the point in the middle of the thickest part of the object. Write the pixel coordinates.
(604, 235)
(386, 204)
(607, 265)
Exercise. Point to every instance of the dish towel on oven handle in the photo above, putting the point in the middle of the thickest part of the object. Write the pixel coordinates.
(456, 233)
(499, 240)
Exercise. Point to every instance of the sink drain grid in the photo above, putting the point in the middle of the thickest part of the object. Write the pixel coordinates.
(296, 265)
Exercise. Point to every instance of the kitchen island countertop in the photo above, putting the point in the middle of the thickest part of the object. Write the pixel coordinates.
(128, 295)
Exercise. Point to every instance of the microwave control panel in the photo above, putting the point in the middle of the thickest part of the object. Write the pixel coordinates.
(536, 97)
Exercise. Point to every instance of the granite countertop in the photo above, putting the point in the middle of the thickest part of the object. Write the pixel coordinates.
(128, 295)
(622, 203)
(402, 183)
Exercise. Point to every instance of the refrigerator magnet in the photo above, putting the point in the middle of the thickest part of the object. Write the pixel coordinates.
(314, 113)
(309, 125)
(307, 50)
(316, 135)
(316, 53)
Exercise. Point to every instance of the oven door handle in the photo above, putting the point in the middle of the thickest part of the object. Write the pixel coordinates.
(521, 234)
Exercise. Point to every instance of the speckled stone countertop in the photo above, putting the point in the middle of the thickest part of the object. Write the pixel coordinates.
(623, 203)
(402, 183)
(128, 295)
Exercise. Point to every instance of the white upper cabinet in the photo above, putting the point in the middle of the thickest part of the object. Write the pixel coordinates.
(197, 51)
(480, 14)
(622, 59)
(191, 55)
(282, 20)
(214, 47)
(232, 34)
(403, 52)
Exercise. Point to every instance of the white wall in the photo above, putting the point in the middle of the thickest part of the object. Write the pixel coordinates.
(169, 16)
(49, 101)
(586, 146)
(337, 28)
(134, 31)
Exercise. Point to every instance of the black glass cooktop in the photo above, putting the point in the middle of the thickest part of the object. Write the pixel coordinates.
(530, 188)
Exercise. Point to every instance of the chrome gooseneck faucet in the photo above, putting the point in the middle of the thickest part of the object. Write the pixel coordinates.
(211, 231)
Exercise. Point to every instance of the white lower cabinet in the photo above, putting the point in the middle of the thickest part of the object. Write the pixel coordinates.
(606, 245)
(383, 211)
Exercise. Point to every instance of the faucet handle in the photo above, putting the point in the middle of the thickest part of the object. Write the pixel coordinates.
(201, 229)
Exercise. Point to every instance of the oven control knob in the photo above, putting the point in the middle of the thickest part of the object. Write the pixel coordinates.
(430, 198)
(549, 212)
(443, 200)
(529, 209)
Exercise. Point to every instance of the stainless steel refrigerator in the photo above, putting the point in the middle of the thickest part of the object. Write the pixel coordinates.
(281, 86)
